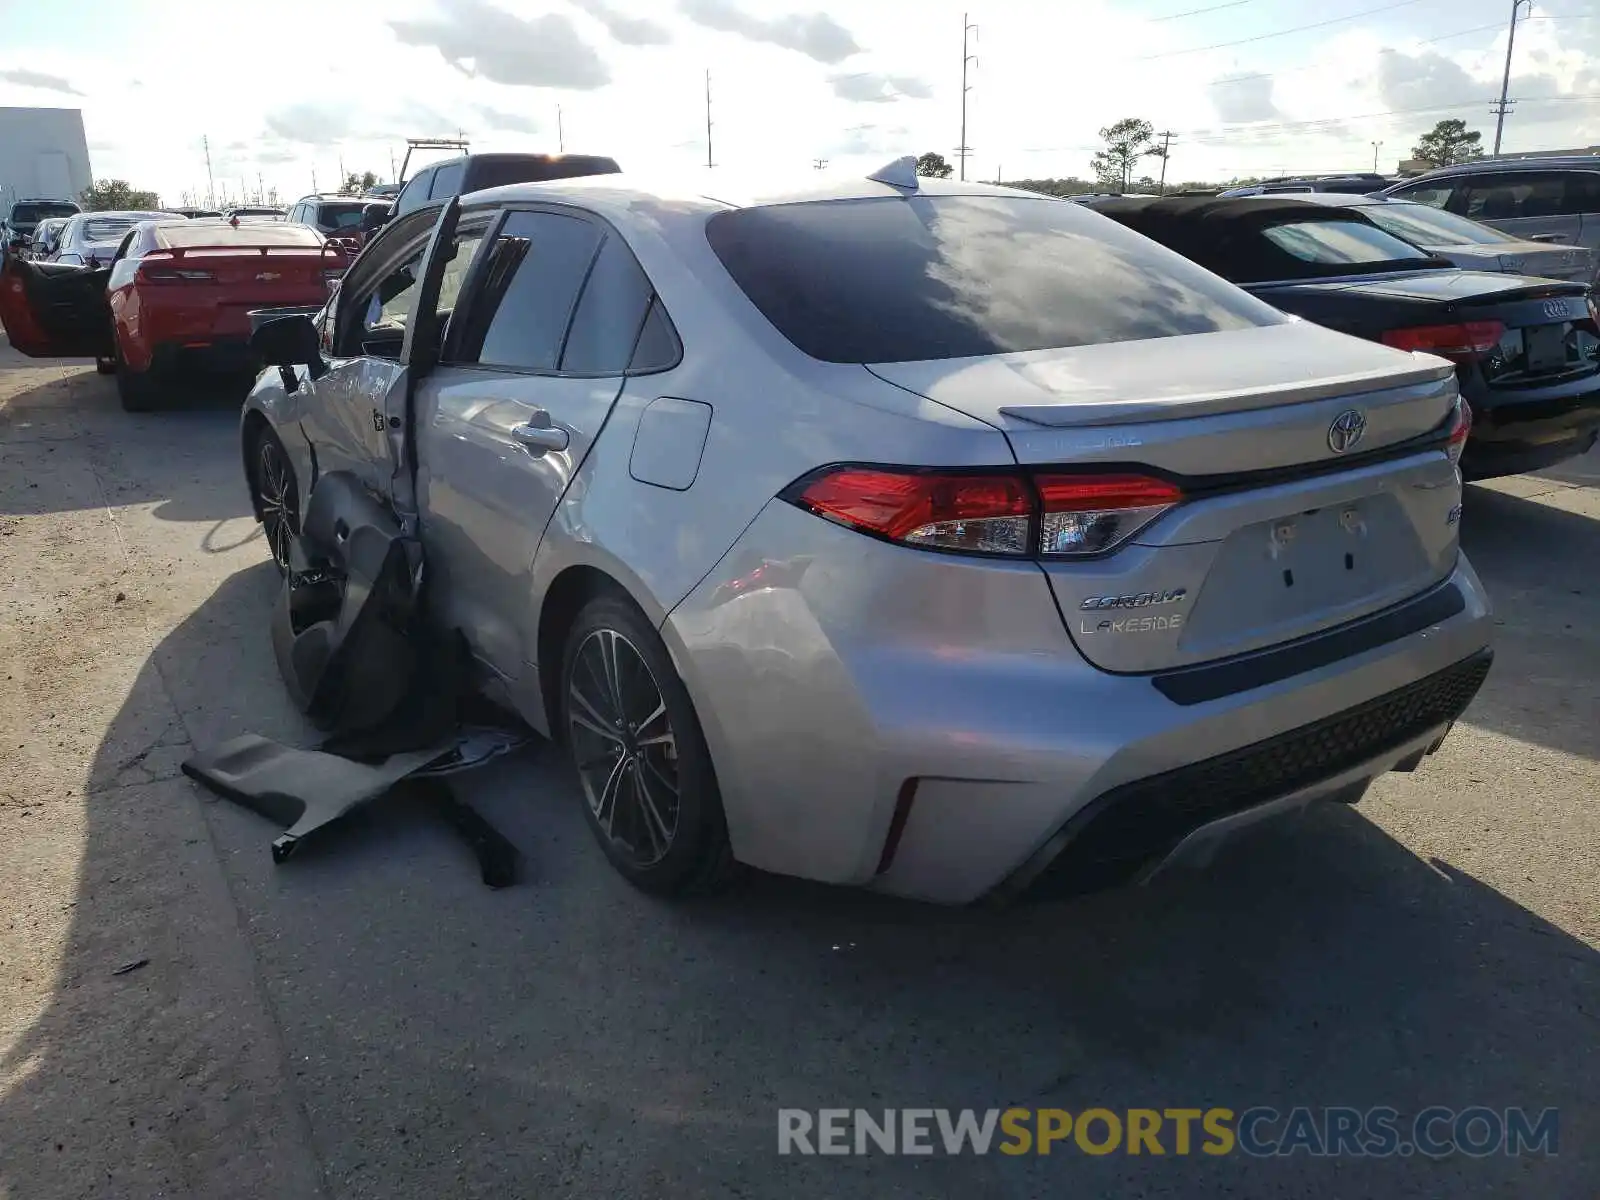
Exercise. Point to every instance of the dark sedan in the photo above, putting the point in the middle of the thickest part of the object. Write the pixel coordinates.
(1527, 351)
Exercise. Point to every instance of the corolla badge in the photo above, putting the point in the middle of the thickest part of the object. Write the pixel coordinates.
(1346, 431)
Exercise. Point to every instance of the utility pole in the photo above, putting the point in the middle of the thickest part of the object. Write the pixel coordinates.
(1500, 110)
(313, 181)
(561, 133)
(211, 183)
(1375, 146)
(1166, 136)
(963, 150)
(261, 187)
(709, 163)
(343, 178)
(394, 170)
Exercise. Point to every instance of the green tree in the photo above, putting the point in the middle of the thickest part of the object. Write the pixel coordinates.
(1449, 142)
(934, 166)
(357, 185)
(1127, 142)
(107, 195)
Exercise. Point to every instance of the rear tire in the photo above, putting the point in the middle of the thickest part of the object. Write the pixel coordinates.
(105, 366)
(136, 389)
(649, 788)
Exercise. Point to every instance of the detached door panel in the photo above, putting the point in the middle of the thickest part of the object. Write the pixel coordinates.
(52, 311)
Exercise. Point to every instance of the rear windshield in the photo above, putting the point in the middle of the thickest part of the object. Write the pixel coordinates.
(1431, 226)
(221, 233)
(107, 229)
(36, 211)
(901, 280)
(340, 216)
(1340, 243)
(482, 175)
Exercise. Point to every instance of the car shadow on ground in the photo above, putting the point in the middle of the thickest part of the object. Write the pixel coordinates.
(572, 1037)
(194, 432)
(1538, 563)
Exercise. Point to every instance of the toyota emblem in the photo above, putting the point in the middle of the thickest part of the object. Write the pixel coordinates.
(1346, 431)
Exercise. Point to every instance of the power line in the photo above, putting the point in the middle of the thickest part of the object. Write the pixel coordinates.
(1195, 12)
(1261, 37)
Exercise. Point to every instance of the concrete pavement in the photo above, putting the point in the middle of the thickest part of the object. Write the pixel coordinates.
(370, 1021)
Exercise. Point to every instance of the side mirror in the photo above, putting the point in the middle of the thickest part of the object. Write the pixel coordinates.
(374, 217)
(289, 341)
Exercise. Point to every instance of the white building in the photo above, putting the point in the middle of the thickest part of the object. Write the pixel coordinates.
(43, 155)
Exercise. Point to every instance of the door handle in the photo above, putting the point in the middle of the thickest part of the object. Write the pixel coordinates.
(538, 439)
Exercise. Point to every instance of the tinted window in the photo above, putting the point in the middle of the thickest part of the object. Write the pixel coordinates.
(106, 229)
(1583, 192)
(27, 211)
(606, 323)
(1339, 243)
(898, 280)
(531, 279)
(447, 181)
(340, 214)
(1515, 194)
(1434, 195)
(658, 348)
(415, 192)
(1425, 226)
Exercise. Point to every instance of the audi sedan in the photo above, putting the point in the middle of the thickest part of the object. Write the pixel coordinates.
(926, 536)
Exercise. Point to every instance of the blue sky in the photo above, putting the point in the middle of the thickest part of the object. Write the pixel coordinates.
(290, 89)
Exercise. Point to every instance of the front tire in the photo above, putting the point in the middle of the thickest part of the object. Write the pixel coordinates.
(277, 495)
(105, 366)
(650, 792)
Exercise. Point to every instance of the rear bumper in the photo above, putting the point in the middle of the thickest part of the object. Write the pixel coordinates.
(226, 355)
(1524, 430)
(922, 725)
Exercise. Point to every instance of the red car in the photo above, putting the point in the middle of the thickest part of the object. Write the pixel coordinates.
(176, 298)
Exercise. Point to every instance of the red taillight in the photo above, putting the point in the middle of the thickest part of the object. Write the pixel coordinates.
(154, 274)
(1463, 342)
(1086, 514)
(1461, 426)
(984, 513)
(1056, 516)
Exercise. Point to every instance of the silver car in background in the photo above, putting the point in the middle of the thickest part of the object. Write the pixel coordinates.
(1469, 244)
(91, 239)
(1552, 199)
(926, 536)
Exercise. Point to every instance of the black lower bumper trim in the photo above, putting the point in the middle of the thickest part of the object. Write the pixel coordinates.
(1196, 685)
(1113, 836)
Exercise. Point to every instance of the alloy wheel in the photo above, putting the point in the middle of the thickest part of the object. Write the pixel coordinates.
(279, 506)
(624, 745)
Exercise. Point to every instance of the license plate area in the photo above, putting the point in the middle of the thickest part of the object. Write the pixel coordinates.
(1279, 579)
(1545, 347)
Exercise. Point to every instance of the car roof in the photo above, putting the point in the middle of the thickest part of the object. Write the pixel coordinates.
(1479, 166)
(619, 195)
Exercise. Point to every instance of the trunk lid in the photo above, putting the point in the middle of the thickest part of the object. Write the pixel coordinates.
(1280, 535)
(236, 280)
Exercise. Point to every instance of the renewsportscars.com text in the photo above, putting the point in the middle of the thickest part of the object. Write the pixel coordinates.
(1378, 1132)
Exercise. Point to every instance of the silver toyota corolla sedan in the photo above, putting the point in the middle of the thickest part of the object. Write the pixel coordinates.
(928, 536)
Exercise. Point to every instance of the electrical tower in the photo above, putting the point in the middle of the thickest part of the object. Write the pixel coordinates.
(1501, 109)
(964, 150)
(709, 162)
(1166, 136)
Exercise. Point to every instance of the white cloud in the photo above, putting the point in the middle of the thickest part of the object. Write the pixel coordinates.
(629, 30)
(814, 34)
(480, 39)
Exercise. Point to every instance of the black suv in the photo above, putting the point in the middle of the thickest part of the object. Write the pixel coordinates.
(25, 216)
(474, 172)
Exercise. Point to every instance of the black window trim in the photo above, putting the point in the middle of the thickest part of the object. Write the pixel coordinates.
(469, 288)
(371, 270)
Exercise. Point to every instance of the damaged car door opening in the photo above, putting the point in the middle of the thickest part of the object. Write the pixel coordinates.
(747, 506)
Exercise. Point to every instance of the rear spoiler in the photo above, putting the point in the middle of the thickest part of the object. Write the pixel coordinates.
(180, 251)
